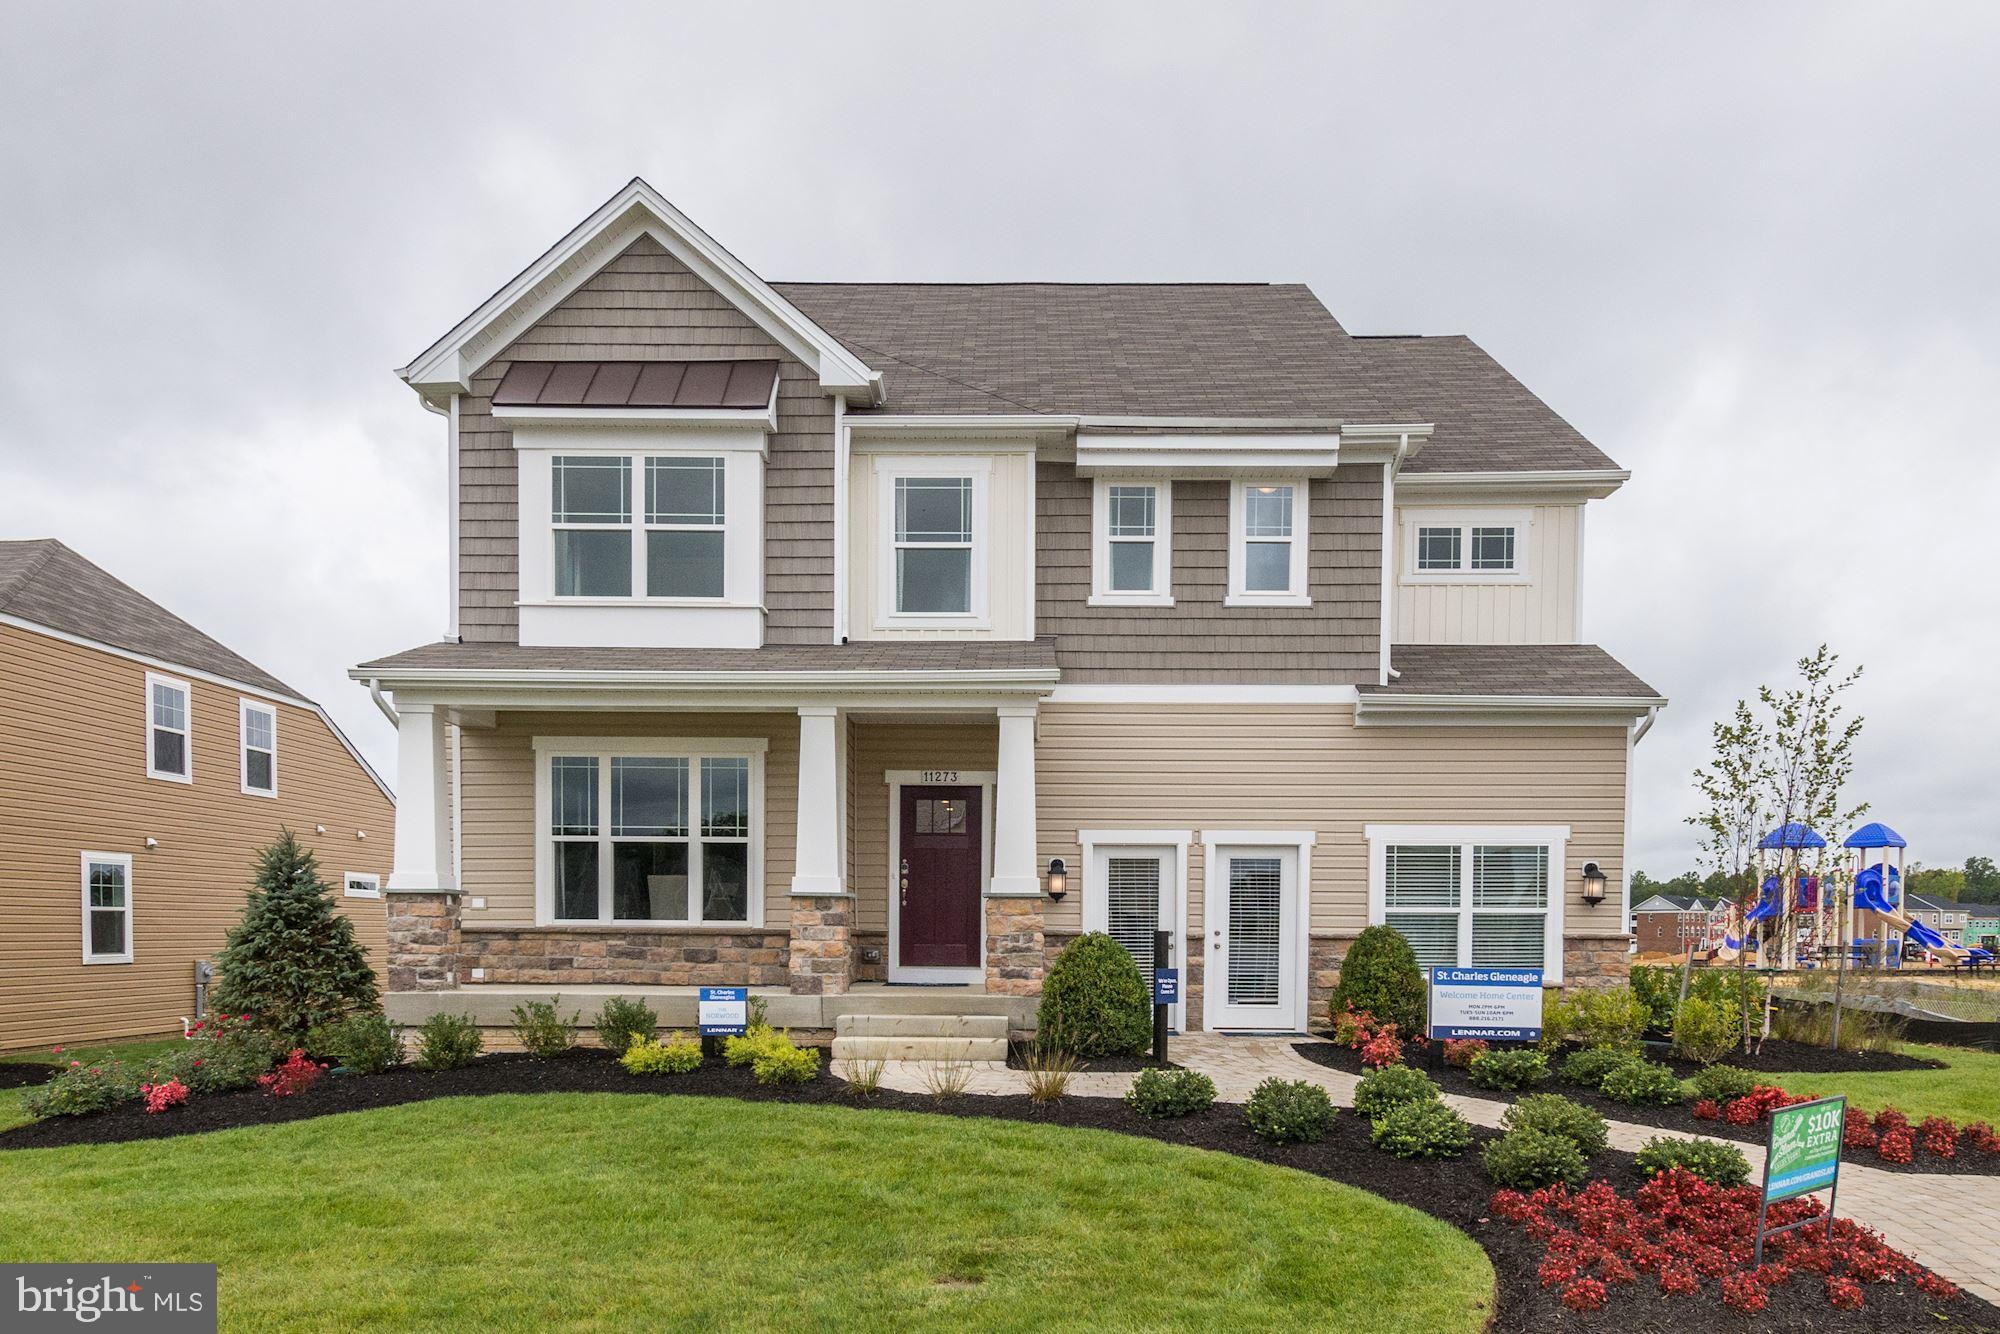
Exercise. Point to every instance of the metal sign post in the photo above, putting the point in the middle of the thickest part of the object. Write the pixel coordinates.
(1802, 1155)
(1166, 990)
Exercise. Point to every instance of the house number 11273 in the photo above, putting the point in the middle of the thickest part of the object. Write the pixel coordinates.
(940, 775)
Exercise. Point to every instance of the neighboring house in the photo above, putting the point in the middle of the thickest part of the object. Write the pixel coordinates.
(1672, 923)
(144, 766)
(1959, 923)
(818, 635)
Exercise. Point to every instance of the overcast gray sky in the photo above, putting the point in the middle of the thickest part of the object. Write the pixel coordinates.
(1748, 249)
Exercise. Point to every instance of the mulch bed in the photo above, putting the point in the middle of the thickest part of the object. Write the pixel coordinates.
(1676, 1119)
(1454, 1190)
(25, 1074)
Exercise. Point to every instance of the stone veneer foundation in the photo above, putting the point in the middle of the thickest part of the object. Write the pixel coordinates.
(424, 941)
(618, 956)
(821, 959)
(1016, 956)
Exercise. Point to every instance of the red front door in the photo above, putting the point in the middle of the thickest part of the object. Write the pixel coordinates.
(937, 883)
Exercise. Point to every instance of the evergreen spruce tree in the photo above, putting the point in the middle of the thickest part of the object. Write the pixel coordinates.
(292, 962)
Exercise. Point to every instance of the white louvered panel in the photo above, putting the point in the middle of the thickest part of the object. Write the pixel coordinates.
(1133, 900)
(1505, 877)
(1512, 941)
(1432, 936)
(1421, 877)
(1255, 930)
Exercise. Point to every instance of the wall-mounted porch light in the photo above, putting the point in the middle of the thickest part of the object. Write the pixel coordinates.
(1058, 878)
(1593, 884)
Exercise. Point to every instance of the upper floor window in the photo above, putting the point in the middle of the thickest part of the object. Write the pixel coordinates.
(1461, 546)
(931, 552)
(169, 729)
(591, 509)
(1132, 553)
(1267, 543)
(107, 907)
(259, 723)
(676, 548)
(684, 528)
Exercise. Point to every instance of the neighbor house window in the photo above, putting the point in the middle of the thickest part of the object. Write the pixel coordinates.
(1447, 546)
(169, 736)
(107, 907)
(591, 510)
(684, 529)
(652, 833)
(361, 885)
(1471, 897)
(1267, 543)
(259, 728)
(1132, 558)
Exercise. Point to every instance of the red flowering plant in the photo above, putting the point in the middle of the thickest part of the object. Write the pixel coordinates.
(297, 1074)
(1940, 1136)
(1979, 1135)
(159, 1097)
(1462, 1051)
(1382, 1048)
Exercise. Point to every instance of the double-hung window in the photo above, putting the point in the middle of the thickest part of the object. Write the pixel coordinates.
(1132, 555)
(652, 833)
(591, 512)
(1471, 896)
(684, 527)
(934, 546)
(107, 907)
(1267, 543)
(1466, 547)
(169, 729)
(259, 730)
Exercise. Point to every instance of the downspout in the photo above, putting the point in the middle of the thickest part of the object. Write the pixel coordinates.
(1633, 736)
(388, 711)
(1387, 628)
(840, 464)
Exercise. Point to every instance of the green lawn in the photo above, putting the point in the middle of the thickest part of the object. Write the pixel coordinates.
(609, 1211)
(1968, 1091)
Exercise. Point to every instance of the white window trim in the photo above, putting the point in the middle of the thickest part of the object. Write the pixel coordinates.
(1101, 592)
(604, 749)
(887, 469)
(1465, 837)
(119, 859)
(1097, 894)
(244, 708)
(1465, 520)
(187, 733)
(370, 882)
(1298, 595)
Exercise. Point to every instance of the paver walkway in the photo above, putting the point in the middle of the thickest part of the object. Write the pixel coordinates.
(1951, 1223)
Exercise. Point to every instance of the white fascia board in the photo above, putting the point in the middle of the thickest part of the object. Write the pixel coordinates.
(1212, 455)
(1572, 484)
(871, 428)
(1277, 693)
(1501, 710)
(1032, 680)
(635, 210)
(1325, 425)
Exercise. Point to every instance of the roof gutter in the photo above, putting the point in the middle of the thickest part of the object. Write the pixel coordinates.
(1036, 679)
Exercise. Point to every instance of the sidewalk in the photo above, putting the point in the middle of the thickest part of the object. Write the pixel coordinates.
(1950, 1223)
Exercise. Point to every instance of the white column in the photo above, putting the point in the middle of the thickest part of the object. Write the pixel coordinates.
(423, 802)
(817, 867)
(1015, 874)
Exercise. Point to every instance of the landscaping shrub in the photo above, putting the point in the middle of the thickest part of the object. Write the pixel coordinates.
(82, 1089)
(1975, 1135)
(1380, 975)
(292, 961)
(224, 1052)
(1421, 1130)
(294, 1076)
(1289, 1111)
(1461, 1052)
(1094, 1001)
(1939, 1136)
(1859, 1131)
(1554, 1114)
(1390, 1087)
(1589, 1066)
(1643, 1084)
(1352, 1027)
(622, 1022)
(1529, 1159)
(1593, 1017)
(1049, 1073)
(1658, 989)
(541, 1031)
(1758, 1104)
(159, 1097)
(1512, 1068)
(782, 1063)
(1717, 1164)
(448, 1041)
(753, 1042)
(1162, 1094)
(1704, 1031)
(1383, 1048)
(1723, 1083)
(367, 1044)
(678, 1055)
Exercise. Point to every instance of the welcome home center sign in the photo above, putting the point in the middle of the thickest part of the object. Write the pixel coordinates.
(1498, 1004)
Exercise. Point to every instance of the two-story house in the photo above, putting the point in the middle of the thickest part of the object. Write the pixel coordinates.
(827, 637)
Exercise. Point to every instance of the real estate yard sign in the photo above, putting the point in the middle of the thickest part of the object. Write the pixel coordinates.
(1499, 1004)
(724, 1011)
(1802, 1156)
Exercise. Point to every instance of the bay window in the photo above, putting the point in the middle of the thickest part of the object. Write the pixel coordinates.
(1267, 543)
(1132, 548)
(1471, 896)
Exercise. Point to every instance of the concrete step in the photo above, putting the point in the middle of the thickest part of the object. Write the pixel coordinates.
(919, 1049)
(920, 1026)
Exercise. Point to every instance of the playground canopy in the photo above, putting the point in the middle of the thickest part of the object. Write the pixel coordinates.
(1875, 835)
(1794, 835)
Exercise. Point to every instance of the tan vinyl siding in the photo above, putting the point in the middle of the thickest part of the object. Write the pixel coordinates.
(1197, 767)
(1006, 528)
(74, 719)
(646, 305)
(498, 801)
(1198, 639)
(879, 748)
(1540, 609)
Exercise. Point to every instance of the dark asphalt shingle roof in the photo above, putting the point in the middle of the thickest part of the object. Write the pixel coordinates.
(1528, 670)
(45, 582)
(1186, 350)
(880, 656)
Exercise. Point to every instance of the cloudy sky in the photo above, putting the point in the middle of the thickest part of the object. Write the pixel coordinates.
(1748, 249)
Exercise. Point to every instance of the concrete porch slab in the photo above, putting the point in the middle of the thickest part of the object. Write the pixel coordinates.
(491, 1005)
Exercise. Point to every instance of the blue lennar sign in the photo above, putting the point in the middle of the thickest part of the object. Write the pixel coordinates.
(1499, 1004)
(1166, 986)
(724, 1011)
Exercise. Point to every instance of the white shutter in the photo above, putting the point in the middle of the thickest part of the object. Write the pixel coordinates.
(1132, 896)
(1255, 930)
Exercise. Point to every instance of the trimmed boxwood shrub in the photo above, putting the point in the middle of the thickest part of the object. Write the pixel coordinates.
(541, 1031)
(1094, 1001)
(1168, 1093)
(622, 1022)
(1556, 1115)
(1380, 976)
(1589, 1066)
(1642, 1083)
(1530, 1159)
(1513, 1068)
(679, 1055)
(1392, 1086)
(1717, 1164)
(1723, 1083)
(447, 1041)
(1421, 1130)
(1289, 1111)
(366, 1044)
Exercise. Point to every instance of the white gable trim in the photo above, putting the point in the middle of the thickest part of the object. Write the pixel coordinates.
(448, 365)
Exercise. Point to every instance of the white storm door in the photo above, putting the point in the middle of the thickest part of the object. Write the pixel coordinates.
(1252, 923)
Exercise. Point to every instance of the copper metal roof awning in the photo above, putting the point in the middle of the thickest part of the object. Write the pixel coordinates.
(637, 384)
